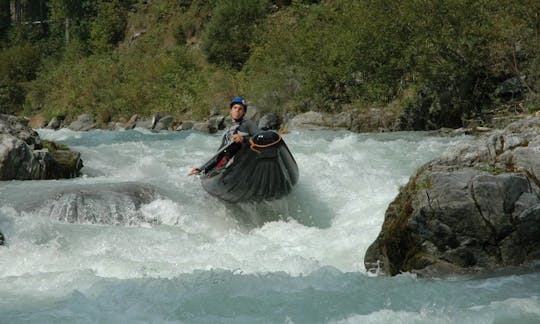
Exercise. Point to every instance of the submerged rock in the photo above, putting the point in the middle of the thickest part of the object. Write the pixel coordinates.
(112, 204)
(474, 209)
(94, 203)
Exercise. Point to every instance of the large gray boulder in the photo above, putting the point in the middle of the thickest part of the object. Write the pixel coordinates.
(163, 122)
(83, 123)
(11, 125)
(474, 209)
(17, 160)
(24, 156)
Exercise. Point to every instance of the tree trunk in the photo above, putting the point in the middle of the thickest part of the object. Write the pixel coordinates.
(67, 31)
(41, 18)
(15, 7)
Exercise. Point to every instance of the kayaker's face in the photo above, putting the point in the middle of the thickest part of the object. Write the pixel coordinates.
(237, 112)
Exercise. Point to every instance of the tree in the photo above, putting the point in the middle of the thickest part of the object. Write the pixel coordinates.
(70, 18)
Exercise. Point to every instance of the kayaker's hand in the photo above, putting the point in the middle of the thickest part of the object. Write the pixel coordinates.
(194, 171)
(237, 138)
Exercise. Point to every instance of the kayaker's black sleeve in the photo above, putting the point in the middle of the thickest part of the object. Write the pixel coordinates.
(228, 152)
(210, 164)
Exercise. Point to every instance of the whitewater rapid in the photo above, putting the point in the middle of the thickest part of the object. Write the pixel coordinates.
(331, 217)
(136, 229)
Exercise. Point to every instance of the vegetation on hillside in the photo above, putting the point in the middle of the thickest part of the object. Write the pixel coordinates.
(441, 63)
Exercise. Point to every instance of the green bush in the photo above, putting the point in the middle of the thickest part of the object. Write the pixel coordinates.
(107, 27)
(18, 65)
(321, 58)
(228, 35)
(118, 86)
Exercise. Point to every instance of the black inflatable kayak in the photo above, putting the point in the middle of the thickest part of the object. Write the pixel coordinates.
(263, 169)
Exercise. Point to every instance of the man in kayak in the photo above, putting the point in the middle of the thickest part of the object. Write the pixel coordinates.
(239, 133)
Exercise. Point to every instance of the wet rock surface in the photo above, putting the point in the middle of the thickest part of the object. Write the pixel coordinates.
(475, 209)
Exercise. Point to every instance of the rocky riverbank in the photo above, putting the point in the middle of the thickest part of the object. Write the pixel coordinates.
(372, 120)
(475, 209)
(356, 120)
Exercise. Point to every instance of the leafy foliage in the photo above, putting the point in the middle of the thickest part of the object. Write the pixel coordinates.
(107, 27)
(443, 62)
(18, 65)
(452, 55)
(228, 35)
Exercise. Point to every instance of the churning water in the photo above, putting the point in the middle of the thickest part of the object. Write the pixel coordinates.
(136, 240)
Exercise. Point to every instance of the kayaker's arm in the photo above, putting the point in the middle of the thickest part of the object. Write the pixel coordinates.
(230, 150)
(210, 164)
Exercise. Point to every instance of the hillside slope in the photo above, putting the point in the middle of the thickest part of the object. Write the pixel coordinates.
(440, 64)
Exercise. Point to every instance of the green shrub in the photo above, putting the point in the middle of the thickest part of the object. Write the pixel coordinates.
(228, 35)
(107, 27)
(18, 65)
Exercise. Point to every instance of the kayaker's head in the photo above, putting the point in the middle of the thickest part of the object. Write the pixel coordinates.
(238, 108)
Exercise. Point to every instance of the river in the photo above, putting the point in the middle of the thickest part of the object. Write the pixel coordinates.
(137, 240)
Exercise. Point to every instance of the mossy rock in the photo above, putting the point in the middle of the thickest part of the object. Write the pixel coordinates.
(68, 162)
(53, 146)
